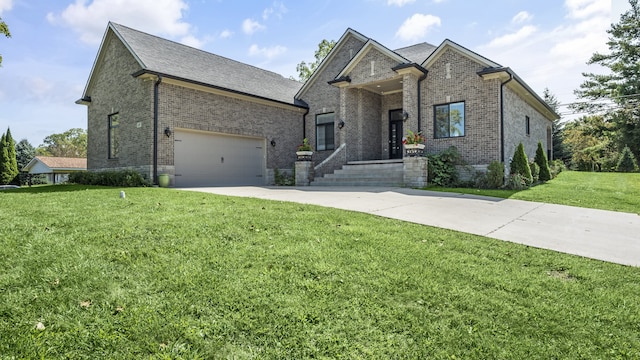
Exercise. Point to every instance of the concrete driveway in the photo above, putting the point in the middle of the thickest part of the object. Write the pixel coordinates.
(598, 234)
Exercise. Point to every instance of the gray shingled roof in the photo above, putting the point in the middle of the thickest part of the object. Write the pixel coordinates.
(181, 61)
(417, 53)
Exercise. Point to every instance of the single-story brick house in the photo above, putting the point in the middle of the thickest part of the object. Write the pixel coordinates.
(56, 169)
(163, 107)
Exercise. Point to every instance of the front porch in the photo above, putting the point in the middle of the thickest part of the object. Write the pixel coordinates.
(407, 172)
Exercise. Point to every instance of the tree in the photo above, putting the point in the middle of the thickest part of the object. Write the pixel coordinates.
(4, 29)
(520, 165)
(305, 71)
(71, 143)
(559, 148)
(25, 152)
(627, 162)
(543, 163)
(590, 142)
(8, 164)
(617, 93)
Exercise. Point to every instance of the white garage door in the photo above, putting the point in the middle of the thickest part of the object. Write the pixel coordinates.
(209, 159)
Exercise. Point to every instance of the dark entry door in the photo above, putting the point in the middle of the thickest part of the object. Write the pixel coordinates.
(395, 134)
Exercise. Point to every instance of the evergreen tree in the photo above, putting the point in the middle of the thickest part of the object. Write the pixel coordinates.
(3, 165)
(25, 152)
(8, 159)
(627, 162)
(520, 164)
(560, 150)
(543, 164)
(622, 83)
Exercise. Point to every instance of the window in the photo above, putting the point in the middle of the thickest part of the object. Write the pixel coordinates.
(449, 120)
(114, 136)
(324, 132)
(527, 125)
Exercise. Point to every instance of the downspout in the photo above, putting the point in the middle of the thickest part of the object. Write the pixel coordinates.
(304, 124)
(155, 129)
(502, 117)
(420, 79)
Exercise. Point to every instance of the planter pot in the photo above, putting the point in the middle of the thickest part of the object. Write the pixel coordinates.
(163, 180)
(414, 149)
(304, 155)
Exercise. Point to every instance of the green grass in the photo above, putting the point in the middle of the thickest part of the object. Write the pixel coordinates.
(169, 274)
(606, 191)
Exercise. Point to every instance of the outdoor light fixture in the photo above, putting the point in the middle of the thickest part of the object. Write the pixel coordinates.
(341, 124)
(273, 142)
(405, 116)
(167, 131)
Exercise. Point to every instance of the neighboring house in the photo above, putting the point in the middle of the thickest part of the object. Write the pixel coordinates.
(162, 107)
(57, 169)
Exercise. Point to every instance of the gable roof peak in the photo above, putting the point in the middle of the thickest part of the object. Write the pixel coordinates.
(157, 55)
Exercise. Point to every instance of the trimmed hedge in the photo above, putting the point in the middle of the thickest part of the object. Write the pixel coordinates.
(520, 165)
(543, 163)
(126, 178)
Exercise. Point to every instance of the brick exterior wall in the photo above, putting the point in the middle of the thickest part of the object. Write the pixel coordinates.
(324, 98)
(193, 109)
(481, 141)
(114, 90)
(515, 111)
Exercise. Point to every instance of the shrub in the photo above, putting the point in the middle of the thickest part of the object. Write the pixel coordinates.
(517, 182)
(627, 162)
(442, 167)
(495, 175)
(127, 178)
(557, 166)
(543, 163)
(284, 179)
(520, 164)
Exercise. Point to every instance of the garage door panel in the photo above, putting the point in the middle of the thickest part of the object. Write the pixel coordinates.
(208, 159)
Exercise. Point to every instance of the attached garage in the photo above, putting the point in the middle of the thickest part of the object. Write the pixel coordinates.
(212, 159)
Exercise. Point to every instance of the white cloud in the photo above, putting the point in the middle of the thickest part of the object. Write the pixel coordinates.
(226, 33)
(514, 38)
(521, 17)
(555, 56)
(161, 17)
(5, 5)
(417, 26)
(581, 9)
(400, 2)
(267, 52)
(277, 9)
(192, 41)
(249, 26)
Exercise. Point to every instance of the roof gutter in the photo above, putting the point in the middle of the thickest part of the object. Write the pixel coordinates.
(156, 101)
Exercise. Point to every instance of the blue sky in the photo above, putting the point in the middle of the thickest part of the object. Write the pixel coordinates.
(49, 57)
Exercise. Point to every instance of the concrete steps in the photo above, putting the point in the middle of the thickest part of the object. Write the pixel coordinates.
(365, 173)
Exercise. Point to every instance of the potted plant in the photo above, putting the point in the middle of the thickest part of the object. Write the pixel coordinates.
(304, 151)
(414, 143)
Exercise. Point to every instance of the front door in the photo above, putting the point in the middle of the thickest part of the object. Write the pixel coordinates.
(395, 134)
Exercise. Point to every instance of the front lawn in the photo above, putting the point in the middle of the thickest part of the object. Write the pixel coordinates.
(606, 191)
(175, 274)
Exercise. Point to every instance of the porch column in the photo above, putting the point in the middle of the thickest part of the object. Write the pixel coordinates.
(410, 101)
